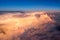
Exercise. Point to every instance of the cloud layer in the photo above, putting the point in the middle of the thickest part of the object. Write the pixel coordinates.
(13, 24)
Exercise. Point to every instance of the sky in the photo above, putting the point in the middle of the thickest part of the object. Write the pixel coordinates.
(29, 5)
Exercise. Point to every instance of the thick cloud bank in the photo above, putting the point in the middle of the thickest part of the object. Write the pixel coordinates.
(27, 26)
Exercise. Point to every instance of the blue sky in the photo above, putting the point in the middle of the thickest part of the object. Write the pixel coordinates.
(29, 5)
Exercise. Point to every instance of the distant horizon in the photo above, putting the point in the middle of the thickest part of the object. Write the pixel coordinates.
(33, 10)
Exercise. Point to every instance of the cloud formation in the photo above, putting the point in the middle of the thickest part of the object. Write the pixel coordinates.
(14, 24)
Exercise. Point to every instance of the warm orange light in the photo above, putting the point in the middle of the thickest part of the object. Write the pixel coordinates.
(17, 25)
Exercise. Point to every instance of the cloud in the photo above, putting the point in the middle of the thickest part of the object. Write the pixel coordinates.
(18, 23)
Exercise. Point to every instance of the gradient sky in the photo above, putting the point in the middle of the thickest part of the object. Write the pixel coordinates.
(13, 5)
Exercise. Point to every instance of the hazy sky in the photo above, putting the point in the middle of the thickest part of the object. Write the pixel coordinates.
(8, 5)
